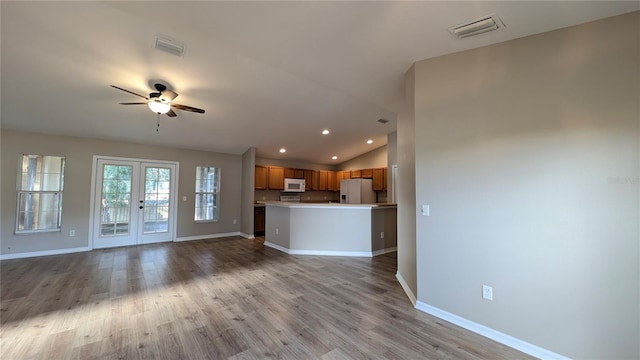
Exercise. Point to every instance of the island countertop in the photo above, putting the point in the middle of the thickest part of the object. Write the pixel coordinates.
(333, 205)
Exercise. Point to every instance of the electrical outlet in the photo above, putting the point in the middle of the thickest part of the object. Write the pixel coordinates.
(382, 235)
(487, 292)
(184, 198)
(277, 231)
(235, 221)
(72, 233)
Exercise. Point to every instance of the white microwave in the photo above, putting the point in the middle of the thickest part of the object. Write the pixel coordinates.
(294, 185)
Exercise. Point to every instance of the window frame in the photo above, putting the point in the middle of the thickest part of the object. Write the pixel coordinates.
(20, 193)
(216, 194)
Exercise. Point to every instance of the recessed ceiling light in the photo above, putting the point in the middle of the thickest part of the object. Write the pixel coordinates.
(369, 141)
(334, 157)
(283, 150)
(325, 132)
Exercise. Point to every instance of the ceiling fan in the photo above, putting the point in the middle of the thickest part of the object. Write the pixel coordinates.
(160, 101)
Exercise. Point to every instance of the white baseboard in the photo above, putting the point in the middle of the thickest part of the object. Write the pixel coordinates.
(384, 251)
(406, 288)
(277, 247)
(492, 334)
(330, 253)
(43, 253)
(247, 236)
(317, 252)
(210, 236)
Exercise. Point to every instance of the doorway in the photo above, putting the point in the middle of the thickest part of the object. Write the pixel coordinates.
(133, 202)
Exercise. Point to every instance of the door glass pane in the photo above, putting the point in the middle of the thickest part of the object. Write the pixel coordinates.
(156, 208)
(116, 200)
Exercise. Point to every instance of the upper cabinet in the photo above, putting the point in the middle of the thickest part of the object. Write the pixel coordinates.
(379, 179)
(261, 175)
(332, 184)
(272, 178)
(276, 178)
(324, 178)
(294, 173)
(308, 176)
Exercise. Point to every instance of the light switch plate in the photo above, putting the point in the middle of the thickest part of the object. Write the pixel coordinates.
(425, 210)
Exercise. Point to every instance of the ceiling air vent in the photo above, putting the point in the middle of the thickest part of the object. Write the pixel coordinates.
(170, 46)
(477, 27)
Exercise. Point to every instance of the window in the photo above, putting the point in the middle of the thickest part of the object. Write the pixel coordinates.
(207, 193)
(40, 183)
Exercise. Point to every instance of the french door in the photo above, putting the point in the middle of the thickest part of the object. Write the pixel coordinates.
(134, 202)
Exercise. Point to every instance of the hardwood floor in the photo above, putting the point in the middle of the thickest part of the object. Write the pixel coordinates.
(215, 299)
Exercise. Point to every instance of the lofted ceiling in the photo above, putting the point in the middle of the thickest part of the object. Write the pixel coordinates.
(268, 74)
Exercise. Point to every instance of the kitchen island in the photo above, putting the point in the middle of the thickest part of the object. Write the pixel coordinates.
(331, 228)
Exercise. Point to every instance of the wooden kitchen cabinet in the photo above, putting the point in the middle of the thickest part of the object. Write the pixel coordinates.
(386, 177)
(308, 176)
(378, 176)
(343, 175)
(356, 174)
(367, 173)
(332, 181)
(293, 173)
(289, 173)
(261, 177)
(315, 180)
(324, 177)
(276, 178)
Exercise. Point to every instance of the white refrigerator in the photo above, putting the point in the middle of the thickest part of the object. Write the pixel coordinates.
(357, 191)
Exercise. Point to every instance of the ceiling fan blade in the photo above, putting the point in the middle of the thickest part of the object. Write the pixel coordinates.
(134, 103)
(130, 92)
(171, 113)
(168, 95)
(187, 108)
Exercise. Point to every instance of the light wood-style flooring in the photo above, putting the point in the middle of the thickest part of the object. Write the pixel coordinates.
(227, 298)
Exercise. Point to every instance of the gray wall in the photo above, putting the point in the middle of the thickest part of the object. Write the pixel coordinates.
(384, 220)
(376, 158)
(248, 184)
(79, 154)
(406, 187)
(528, 156)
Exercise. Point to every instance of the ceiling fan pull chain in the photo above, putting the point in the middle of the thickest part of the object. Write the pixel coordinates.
(158, 125)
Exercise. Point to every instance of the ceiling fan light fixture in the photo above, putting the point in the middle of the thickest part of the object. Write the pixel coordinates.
(159, 107)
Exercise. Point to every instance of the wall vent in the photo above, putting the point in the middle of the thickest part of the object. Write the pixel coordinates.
(383, 121)
(476, 27)
(169, 46)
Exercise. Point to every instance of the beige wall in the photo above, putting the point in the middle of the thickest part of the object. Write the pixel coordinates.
(406, 187)
(79, 154)
(528, 157)
(376, 158)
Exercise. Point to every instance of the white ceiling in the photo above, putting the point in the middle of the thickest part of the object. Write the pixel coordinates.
(269, 74)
